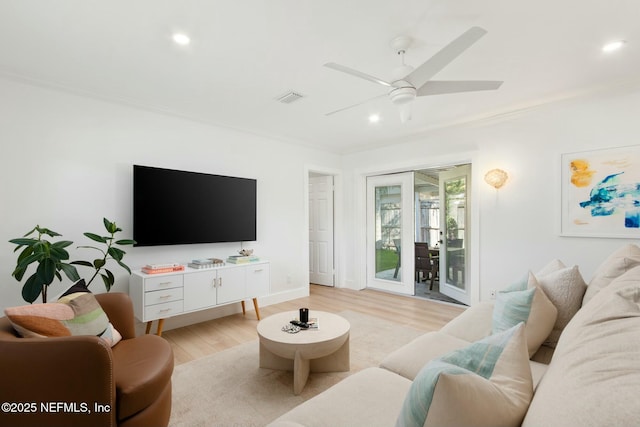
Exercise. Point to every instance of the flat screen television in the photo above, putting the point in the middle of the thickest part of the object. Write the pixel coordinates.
(173, 207)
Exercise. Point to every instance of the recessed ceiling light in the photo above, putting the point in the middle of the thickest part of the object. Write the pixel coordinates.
(181, 39)
(374, 118)
(613, 46)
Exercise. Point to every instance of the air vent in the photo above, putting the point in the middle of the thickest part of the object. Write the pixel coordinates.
(289, 97)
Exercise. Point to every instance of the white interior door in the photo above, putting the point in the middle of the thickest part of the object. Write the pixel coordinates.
(455, 205)
(390, 225)
(321, 230)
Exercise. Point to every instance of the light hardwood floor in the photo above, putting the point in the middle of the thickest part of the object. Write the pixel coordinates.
(201, 339)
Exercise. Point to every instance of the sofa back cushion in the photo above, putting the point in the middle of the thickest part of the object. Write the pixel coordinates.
(618, 263)
(594, 376)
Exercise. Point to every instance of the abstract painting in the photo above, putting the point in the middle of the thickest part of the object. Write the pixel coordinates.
(601, 193)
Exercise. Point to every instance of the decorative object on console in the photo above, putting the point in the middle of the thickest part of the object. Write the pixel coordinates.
(496, 178)
(51, 257)
(600, 194)
(242, 259)
(200, 264)
(162, 268)
(246, 252)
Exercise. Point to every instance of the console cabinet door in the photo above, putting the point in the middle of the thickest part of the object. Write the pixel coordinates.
(200, 290)
(258, 280)
(231, 284)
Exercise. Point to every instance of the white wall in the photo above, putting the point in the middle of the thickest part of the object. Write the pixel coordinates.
(66, 162)
(518, 226)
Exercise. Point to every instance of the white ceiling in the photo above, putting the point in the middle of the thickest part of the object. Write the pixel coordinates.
(246, 53)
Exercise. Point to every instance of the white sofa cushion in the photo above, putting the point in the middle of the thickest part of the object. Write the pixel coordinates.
(409, 359)
(524, 301)
(594, 375)
(616, 264)
(488, 383)
(372, 397)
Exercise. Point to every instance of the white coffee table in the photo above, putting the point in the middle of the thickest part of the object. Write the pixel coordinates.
(323, 350)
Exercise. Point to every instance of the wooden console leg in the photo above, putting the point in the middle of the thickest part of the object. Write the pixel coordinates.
(160, 324)
(244, 311)
(148, 326)
(255, 305)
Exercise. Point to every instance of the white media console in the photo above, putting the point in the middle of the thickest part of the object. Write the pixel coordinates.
(160, 296)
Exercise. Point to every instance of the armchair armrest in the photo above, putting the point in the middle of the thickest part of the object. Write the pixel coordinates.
(119, 309)
(56, 381)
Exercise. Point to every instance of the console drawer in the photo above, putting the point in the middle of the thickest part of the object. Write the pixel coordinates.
(162, 311)
(163, 296)
(163, 282)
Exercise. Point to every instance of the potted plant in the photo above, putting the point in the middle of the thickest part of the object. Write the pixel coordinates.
(52, 258)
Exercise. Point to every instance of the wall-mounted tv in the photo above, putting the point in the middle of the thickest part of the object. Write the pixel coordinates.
(173, 207)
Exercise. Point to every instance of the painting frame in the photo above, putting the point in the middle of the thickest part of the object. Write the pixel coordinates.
(600, 193)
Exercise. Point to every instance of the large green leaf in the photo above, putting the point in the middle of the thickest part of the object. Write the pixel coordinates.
(23, 241)
(123, 265)
(18, 273)
(46, 271)
(96, 238)
(82, 263)
(108, 281)
(62, 244)
(126, 242)
(31, 289)
(116, 253)
(25, 253)
(70, 271)
(24, 263)
(59, 254)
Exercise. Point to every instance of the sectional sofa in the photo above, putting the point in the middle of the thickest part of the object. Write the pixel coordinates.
(549, 351)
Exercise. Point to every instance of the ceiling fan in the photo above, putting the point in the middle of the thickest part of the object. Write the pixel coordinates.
(408, 83)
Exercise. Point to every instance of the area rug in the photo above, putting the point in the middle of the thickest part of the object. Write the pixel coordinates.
(229, 389)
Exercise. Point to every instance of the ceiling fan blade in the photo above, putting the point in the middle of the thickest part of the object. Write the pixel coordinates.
(355, 105)
(357, 73)
(438, 87)
(437, 62)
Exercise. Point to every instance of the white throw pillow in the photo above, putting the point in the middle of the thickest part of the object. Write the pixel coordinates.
(525, 301)
(552, 266)
(488, 384)
(565, 288)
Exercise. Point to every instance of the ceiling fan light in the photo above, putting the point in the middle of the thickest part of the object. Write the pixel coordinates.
(402, 95)
(374, 118)
(613, 46)
(181, 39)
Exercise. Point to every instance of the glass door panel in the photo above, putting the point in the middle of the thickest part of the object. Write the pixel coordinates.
(390, 230)
(454, 186)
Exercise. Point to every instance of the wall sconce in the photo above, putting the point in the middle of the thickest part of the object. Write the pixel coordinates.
(496, 178)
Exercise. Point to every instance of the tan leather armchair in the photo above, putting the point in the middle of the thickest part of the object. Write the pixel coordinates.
(81, 381)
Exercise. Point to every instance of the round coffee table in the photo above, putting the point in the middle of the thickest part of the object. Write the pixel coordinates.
(325, 349)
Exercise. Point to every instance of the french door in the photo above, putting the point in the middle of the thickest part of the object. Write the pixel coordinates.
(390, 231)
(454, 236)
